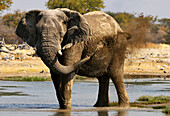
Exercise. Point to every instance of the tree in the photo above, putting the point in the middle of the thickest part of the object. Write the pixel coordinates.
(142, 28)
(122, 18)
(165, 22)
(8, 25)
(12, 19)
(82, 6)
(5, 4)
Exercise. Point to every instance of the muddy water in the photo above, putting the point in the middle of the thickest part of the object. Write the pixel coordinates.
(38, 98)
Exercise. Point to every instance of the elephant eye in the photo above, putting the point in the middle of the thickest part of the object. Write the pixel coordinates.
(61, 33)
(64, 22)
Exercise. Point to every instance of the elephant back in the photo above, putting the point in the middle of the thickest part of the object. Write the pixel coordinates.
(102, 24)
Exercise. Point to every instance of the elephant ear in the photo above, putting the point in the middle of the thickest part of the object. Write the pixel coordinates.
(78, 28)
(26, 28)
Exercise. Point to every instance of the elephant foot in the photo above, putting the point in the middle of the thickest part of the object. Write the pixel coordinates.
(124, 104)
(124, 101)
(65, 107)
(101, 104)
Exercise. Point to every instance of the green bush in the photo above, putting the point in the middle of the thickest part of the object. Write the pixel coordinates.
(166, 110)
(145, 98)
(155, 100)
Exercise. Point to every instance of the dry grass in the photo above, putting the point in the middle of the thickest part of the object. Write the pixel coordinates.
(150, 59)
(145, 67)
(33, 65)
(161, 46)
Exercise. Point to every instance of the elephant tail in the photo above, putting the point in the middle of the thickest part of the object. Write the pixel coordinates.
(126, 34)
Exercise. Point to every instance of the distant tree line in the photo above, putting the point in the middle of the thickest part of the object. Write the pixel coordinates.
(5, 4)
(8, 24)
(142, 28)
(82, 6)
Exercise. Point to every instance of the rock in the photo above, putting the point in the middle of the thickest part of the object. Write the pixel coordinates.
(31, 66)
(42, 71)
(23, 57)
(5, 58)
(159, 61)
(165, 71)
(161, 68)
(165, 66)
(139, 68)
(164, 60)
(146, 57)
(12, 57)
(152, 54)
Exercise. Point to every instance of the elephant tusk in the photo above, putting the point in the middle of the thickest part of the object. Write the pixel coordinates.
(60, 53)
(69, 45)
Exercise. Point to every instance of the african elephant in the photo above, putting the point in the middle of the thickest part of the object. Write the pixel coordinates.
(69, 43)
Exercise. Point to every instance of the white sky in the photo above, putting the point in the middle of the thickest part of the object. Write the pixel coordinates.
(160, 8)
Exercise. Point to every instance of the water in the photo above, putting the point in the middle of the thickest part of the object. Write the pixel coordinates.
(38, 98)
(94, 113)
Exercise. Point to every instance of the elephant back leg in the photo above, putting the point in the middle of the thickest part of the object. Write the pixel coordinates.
(116, 74)
(115, 69)
(103, 95)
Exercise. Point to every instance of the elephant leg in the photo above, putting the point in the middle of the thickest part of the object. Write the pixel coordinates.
(63, 85)
(103, 97)
(117, 77)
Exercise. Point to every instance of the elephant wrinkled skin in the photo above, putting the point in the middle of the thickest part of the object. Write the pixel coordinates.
(69, 43)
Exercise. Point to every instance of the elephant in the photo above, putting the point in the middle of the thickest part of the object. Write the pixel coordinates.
(70, 43)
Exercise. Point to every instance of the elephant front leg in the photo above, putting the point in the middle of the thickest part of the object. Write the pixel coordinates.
(63, 85)
(103, 97)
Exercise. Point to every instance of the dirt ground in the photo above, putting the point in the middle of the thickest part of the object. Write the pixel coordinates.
(153, 60)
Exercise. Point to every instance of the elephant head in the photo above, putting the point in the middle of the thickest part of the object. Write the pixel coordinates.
(50, 31)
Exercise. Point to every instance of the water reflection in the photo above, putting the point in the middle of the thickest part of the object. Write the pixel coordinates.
(103, 113)
(62, 114)
(122, 113)
(99, 113)
(12, 94)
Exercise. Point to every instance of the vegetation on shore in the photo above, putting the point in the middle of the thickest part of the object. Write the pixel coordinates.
(35, 78)
(166, 110)
(157, 102)
(31, 79)
(153, 100)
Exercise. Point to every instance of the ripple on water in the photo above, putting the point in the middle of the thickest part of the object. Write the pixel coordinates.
(28, 106)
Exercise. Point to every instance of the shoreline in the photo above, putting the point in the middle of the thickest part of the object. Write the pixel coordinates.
(3, 76)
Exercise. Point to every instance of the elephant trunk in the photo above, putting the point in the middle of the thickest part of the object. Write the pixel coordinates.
(48, 51)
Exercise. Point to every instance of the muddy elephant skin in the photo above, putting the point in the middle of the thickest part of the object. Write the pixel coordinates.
(69, 43)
